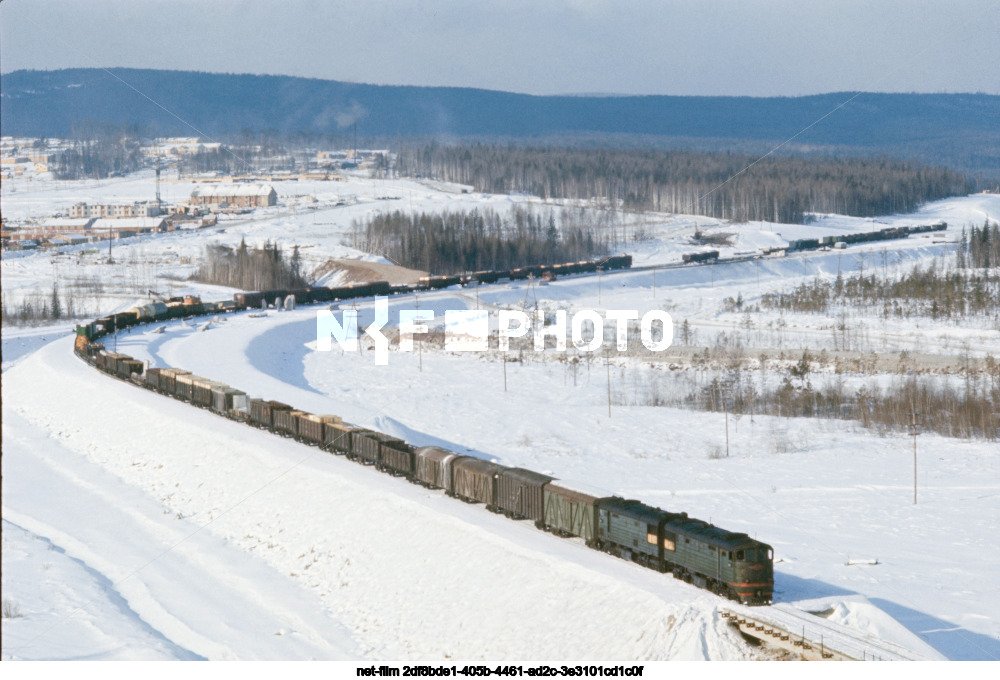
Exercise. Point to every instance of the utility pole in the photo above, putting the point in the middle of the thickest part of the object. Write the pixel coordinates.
(725, 405)
(607, 361)
(913, 425)
(654, 284)
(503, 356)
(420, 350)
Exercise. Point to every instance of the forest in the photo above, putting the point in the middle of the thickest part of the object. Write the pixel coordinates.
(251, 268)
(456, 242)
(727, 186)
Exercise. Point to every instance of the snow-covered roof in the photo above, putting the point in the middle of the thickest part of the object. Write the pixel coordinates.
(128, 223)
(68, 222)
(225, 190)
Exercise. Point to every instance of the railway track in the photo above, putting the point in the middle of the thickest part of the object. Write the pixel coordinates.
(812, 637)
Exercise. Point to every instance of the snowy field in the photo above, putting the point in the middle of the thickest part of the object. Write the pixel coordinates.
(137, 527)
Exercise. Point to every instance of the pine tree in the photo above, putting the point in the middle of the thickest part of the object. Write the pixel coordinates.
(56, 305)
(296, 266)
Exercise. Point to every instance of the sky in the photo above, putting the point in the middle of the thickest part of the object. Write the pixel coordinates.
(671, 47)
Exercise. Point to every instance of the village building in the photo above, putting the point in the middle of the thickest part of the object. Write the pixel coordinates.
(125, 210)
(234, 195)
(123, 227)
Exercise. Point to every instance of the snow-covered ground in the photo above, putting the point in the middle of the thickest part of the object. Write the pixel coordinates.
(139, 527)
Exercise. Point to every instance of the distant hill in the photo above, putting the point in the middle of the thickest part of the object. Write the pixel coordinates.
(958, 130)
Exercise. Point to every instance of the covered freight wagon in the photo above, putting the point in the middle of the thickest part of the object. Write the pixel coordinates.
(520, 494)
(474, 479)
(571, 509)
(432, 467)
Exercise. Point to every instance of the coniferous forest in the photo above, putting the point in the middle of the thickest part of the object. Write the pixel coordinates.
(727, 186)
(251, 268)
(455, 242)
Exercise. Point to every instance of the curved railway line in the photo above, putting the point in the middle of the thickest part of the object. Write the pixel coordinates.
(729, 564)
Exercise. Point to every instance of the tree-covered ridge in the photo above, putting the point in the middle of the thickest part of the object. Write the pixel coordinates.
(957, 130)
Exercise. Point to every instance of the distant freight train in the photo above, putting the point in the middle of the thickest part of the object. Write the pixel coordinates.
(887, 234)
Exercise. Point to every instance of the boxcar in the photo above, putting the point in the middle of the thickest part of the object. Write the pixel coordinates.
(432, 467)
(475, 480)
(571, 509)
(520, 494)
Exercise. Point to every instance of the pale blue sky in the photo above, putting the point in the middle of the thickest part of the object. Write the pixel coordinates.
(679, 47)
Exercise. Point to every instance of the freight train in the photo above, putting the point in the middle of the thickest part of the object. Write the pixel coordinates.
(728, 563)
(887, 234)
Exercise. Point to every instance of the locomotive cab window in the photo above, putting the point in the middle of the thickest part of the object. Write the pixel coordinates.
(739, 554)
